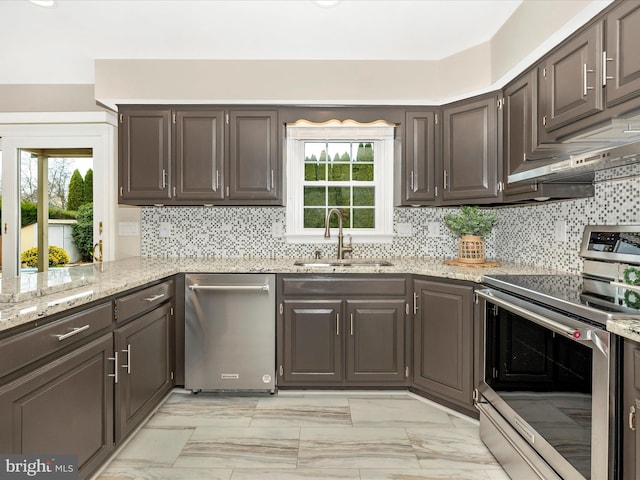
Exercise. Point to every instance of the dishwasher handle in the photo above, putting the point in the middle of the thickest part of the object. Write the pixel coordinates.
(230, 288)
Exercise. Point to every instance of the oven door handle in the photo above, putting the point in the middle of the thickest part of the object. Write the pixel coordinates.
(576, 335)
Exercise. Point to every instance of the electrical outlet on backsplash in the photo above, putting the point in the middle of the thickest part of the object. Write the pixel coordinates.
(523, 234)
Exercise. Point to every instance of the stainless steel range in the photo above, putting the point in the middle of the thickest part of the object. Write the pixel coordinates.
(549, 378)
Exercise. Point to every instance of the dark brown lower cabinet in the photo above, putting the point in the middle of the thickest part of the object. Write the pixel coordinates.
(144, 367)
(629, 424)
(341, 331)
(443, 343)
(65, 407)
(375, 341)
(312, 342)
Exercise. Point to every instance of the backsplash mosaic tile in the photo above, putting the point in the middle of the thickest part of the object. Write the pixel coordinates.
(524, 234)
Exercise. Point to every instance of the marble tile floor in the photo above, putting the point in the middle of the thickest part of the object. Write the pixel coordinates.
(302, 435)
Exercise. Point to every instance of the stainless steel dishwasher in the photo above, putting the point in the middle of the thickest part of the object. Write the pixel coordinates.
(230, 332)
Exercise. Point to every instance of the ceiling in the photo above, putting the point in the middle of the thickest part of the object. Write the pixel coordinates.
(60, 44)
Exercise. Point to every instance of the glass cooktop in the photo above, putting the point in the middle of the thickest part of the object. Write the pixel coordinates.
(591, 298)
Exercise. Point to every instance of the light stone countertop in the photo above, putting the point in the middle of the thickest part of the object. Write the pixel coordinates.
(37, 295)
(627, 328)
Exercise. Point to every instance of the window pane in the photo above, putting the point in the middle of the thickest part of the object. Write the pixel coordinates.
(314, 196)
(346, 222)
(363, 218)
(365, 152)
(339, 152)
(363, 172)
(314, 171)
(314, 217)
(339, 196)
(364, 196)
(339, 172)
(313, 152)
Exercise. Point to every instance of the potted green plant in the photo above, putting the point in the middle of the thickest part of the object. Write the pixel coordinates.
(471, 225)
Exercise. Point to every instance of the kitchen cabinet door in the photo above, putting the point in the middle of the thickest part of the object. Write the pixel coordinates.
(144, 155)
(520, 121)
(312, 343)
(622, 61)
(144, 365)
(573, 77)
(65, 407)
(420, 158)
(443, 341)
(199, 155)
(254, 166)
(470, 150)
(375, 339)
(628, 418)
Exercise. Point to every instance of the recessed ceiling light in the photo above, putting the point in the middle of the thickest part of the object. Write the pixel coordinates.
(44, 3)
(326, 3)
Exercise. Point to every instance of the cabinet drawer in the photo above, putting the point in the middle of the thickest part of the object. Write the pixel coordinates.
(28, 347)
(330, 285)
(144, 300)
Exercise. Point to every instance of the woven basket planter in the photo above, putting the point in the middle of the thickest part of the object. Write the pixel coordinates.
(471, 249)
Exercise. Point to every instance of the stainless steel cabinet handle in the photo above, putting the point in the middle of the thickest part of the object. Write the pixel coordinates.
(605, 59)
(586, 88)
(415, 303)
(217, 185)
(337, 324)
(272, 180)
(411, 182)
(262, 288)
(154, 298)
(128, 352)
(74, 331)
(632, 417)
(444, 180)
(115, 368)
(352, 324)
(164, 179)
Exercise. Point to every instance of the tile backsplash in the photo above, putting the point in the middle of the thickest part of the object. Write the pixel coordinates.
(532, 234)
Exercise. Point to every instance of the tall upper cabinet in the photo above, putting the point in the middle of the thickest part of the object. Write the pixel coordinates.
(199, 156)
(420, 185)
(471, 150)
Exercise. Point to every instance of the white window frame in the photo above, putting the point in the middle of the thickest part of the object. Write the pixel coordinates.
(379, 134)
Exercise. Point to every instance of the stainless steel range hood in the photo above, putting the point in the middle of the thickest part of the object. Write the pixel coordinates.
(613, 144)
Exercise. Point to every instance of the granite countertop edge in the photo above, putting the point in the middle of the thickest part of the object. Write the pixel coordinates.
(625, 327)
(44, 294)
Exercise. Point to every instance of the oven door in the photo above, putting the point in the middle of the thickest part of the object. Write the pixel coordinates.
(547, 375)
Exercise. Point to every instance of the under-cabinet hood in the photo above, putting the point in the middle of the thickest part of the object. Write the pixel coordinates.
(611, 145)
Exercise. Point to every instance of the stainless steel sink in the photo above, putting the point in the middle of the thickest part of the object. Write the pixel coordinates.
(343, 263)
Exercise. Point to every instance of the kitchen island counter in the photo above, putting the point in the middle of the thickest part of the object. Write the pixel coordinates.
(37, 295)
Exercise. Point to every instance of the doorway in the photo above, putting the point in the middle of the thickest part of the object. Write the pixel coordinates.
(56, 208)
(28, 142)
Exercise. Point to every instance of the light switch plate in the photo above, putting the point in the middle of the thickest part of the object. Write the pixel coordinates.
(277, 230)
(165, 229)
(404, 229)
(434, 229)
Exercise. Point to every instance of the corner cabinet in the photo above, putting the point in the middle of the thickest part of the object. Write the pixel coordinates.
(198, 156)
(471, 150)
(443, 346)
(340, 331)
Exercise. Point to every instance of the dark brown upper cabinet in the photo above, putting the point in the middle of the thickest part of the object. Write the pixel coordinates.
(420, 166)
(253, 156)
(471, 150)
(573, 80)
(621, 59)
(144, 155)
(198, 156)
